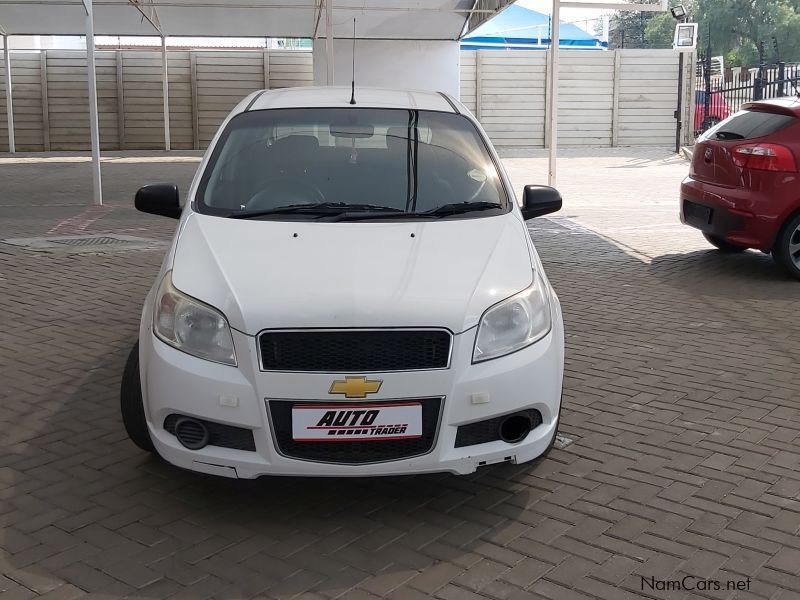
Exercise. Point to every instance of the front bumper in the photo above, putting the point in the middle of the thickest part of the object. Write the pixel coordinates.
(176, 383)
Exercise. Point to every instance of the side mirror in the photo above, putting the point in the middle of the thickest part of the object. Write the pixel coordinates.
(159, 199)
(540, 200)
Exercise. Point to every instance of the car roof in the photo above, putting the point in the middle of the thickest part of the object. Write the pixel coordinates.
(786, 104)
(339, 97)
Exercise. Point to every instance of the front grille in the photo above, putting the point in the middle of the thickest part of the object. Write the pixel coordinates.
(224, 436)
(358, 452)
(481, 432)
(339, 351)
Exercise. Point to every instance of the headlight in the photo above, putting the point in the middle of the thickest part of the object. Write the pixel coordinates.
(191, 326)
(514, 323)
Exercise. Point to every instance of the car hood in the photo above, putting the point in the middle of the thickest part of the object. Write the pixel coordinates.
(274, 274)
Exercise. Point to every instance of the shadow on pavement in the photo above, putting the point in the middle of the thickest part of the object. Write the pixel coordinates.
(85, 511)
(54, 180)
(749, 275)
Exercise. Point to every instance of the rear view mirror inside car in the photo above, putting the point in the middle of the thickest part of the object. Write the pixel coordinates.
(352, 130)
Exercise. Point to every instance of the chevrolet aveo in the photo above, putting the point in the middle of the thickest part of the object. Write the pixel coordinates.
(351, 290)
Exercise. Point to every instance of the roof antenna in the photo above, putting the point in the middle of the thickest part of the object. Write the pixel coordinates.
(353, 82)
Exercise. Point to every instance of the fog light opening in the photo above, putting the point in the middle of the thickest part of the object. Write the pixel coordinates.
(192, 434)
(515, 428)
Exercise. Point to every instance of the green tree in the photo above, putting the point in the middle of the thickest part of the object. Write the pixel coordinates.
(639, 29)
(787, 32)
(660, 31)
(627, 28)
(737, 27)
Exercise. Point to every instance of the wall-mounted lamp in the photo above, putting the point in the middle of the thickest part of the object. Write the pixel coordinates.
(678, 12)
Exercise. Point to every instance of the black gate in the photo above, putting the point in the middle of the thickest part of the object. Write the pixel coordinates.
(720, 93)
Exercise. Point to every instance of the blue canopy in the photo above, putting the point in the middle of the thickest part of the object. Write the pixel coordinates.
(519, 28)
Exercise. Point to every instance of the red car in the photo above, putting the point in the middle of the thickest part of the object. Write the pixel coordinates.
(743, 189)
(718, 110)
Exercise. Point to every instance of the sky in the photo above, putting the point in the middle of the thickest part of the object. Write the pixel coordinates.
(584, 18)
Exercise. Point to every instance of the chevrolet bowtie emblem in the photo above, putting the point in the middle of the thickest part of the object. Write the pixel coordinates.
(355, 387)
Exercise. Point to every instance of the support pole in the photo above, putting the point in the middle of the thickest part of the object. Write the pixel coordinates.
(195, 104)
(9, 102)
(94, 129)
(615, 99)
(45, 100)
(691, 105)
(165, 91)
(479, 84)
(120, 100)
(679, 111)
(553, 72)
(329, 40)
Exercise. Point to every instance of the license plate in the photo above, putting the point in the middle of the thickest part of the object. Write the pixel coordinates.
(356, 422)
(697, 213)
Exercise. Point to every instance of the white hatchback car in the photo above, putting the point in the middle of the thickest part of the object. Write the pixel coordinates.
(351, 290)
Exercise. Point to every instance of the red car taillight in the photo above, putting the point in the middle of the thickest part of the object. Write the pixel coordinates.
(764, 157)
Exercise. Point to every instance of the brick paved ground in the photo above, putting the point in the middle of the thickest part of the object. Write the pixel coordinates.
(681, 393)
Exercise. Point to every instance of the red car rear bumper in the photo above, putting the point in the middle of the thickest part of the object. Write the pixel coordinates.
(728, 213)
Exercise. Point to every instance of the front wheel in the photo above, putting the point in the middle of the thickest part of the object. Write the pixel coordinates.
(722, 245)
(786, 252)
(130, 396)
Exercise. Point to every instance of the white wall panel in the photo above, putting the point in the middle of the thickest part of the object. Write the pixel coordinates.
(628, 97)
(603, 98)
(51, 106)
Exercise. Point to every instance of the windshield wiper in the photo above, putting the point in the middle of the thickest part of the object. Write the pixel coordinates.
(319, 208)
(377, 215)
(461, 207)
(442, 211)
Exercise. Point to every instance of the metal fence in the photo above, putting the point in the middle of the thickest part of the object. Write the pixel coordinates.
(719, 94)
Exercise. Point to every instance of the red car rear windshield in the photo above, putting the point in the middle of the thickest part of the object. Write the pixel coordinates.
(748, 125)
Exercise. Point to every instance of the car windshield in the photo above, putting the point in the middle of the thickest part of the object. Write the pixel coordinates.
(304, 163)
(748, 125)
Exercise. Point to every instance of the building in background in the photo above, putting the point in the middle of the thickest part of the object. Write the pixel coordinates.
(520, 28)
(46, 42)
(114, 42)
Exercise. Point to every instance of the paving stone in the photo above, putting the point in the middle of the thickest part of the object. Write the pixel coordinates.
(787, 559)
(746, 561)
(526, 572)
(615, 569)
(435, 577)
(684, 459)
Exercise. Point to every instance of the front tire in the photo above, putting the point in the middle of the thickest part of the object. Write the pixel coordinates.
(786, 252)
(131, 403)
(722, 245)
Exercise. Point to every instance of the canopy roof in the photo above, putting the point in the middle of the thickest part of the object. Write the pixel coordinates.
(519, 28)
(377, 19)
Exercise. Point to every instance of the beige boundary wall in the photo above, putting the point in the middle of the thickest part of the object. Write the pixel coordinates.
(51, 106)
(618, 98)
